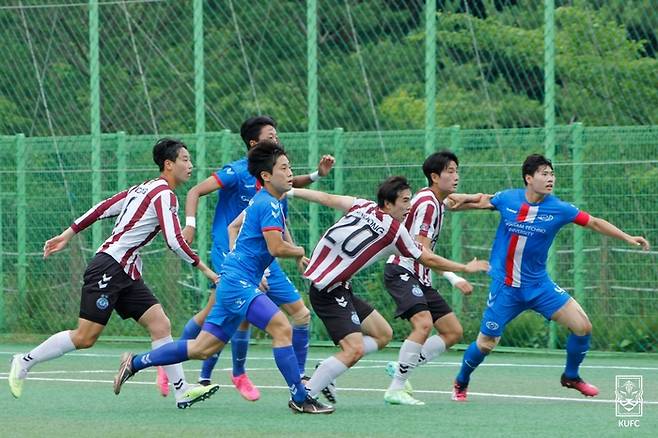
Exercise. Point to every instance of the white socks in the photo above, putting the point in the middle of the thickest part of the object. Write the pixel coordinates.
(55, 346)
(324, 374)
(369, 344)
(432, 347)
(174, 372)
(407, 360)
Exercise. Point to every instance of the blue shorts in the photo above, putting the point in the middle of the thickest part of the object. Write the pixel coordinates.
(281, 290)
(234, 296)
(506, 303)
(217, 257)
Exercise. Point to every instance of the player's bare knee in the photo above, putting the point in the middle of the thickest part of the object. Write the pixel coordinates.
(83, 340)
(422, 325)
(486, 344)
(582, 327)
(453, 336)
(160, 328)
(353, 352)
(279, 328)
(301, 317)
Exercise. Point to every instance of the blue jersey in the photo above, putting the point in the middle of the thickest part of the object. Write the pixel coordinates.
(237, 188)
(250, 257)
(525, 233)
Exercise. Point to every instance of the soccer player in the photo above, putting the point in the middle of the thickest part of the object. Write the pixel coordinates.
(366, 233)
(238, 297)
(236, 187)
(410, 283)
(113, 278)
(529, 220)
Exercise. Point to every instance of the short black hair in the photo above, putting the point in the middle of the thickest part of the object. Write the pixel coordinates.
(437, 163)
(166, 149)
(390, 189)
(262, 157)
(532, 163)
(250, 129)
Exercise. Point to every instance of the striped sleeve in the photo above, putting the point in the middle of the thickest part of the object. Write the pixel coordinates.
(360, 203)
(424, 220)
(111, 207)
(406, 246)
(166, 207)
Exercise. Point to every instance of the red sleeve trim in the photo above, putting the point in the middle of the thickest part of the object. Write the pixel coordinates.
(272, 229)
(75, 228)
(219, 181)
(581, 218)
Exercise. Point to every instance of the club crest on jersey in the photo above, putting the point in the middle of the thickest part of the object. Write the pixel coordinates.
(102, 303)
(491, 325)
(355, 318)
(425, 227)
(417, 291)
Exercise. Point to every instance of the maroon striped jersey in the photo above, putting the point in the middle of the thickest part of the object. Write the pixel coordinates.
(142, 212)
(424, 219)
(362, 236)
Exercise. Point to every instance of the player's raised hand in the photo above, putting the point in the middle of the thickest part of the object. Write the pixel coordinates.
(640, 241)
(57, 243)
(464, 286)
(476, 265)
(188, 234)
(302, 264)
(325, 165)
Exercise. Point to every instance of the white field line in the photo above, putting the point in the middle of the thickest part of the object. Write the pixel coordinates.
(362, 363)
(376, 390)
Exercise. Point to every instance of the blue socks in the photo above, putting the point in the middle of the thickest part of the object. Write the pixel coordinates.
(300, 345)
(239, 347)
(170, 353)
(191, 330)
(472, 358)
(207, 366)
(285, 361)
(577, 347)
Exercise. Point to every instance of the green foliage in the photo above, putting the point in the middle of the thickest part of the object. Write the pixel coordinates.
(490, 65)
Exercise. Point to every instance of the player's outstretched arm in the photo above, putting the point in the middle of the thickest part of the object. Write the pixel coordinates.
(324, 167)
(205, 187)
(606, 228)
(57, 243)
(209, 273)
(438, 263)
(110, 207)
(234, 229)
(338, 202)
(464, 201)
(279, 247)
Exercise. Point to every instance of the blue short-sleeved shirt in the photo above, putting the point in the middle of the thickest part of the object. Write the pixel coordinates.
(237, 188)
(250, 257)
(525, 234)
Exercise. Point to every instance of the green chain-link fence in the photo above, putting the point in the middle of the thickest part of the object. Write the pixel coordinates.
(598, 168)
(518, 77)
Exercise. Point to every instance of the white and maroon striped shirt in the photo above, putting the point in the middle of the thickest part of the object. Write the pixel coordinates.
(143, 211)
(364, 235)
(425, 219)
